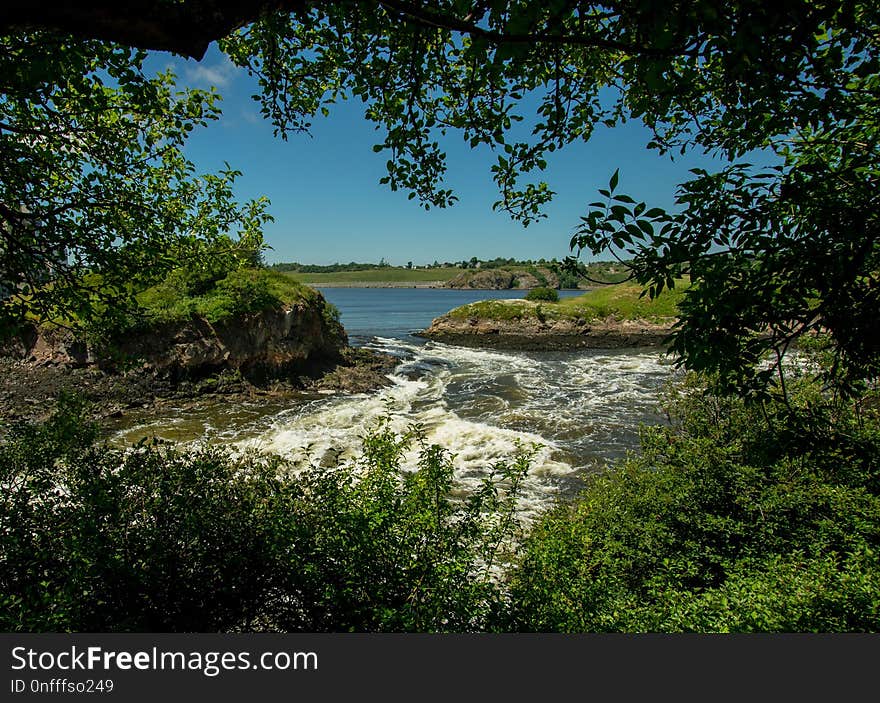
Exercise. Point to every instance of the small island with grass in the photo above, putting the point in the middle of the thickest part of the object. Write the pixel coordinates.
(615, 316)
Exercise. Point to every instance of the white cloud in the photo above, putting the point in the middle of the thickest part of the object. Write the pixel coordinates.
(251, 116)
(219, 75)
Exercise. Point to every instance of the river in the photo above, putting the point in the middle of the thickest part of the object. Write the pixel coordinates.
(582, 408)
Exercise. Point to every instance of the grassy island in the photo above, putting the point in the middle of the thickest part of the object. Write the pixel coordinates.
(608, 317)
(621, 302)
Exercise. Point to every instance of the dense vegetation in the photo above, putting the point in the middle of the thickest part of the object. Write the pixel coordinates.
(156, 539)
(226, 281)
(737, 518)
(184, 294)
(97, 199)
(546, 294)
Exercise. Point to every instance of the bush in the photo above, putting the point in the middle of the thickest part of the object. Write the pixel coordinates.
(237, 292)
(736, 518)
(568, 279)
(157, 539)
(240, 292)
(543, 294)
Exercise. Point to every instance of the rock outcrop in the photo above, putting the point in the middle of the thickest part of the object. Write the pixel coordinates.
(291, 350)
(292, 338)
(531, 334)
(504, 279)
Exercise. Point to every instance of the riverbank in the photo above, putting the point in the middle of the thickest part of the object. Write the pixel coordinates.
(30, 392)
(288, 350)
(379, 284)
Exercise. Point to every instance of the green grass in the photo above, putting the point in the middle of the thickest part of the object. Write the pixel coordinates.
(623, 302)
(619, 301)
(495, 310)
(384, 275)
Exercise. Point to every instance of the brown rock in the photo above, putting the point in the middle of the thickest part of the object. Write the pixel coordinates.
(529, 334)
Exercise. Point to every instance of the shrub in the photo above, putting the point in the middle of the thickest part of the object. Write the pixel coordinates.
(736, 518)
(237, 292)
(568, 279)
(543, 294)
(240, 292)
(160, 539)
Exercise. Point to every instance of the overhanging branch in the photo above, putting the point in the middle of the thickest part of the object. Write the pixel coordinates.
(189, 26)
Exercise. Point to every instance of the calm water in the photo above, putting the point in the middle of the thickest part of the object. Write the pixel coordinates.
(396, 312)
(582, 409)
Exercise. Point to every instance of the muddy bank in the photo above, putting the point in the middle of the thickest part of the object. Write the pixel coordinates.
(551, 335)
(30, 392)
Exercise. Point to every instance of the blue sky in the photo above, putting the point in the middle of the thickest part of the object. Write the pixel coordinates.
(329, 206)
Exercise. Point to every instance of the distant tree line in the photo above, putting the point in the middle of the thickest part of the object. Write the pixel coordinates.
(473, 262)
(570, 272)
(296, 267)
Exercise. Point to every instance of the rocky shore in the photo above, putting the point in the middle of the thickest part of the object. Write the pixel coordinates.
(295, 350)
(533, 334)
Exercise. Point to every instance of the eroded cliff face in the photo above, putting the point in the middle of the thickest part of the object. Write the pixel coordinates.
(292, 339)
(550, 335)
(296, 351)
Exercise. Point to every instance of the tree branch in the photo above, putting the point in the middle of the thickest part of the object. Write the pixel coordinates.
(185, 28)
(437, 20)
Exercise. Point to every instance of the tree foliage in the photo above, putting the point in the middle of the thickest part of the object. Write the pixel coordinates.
(97, 199)
(776, 251)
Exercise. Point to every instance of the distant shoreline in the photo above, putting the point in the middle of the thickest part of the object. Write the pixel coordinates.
(382, 284)
(434, 285)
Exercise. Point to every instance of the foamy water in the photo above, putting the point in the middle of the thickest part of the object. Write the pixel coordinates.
(581, 410)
